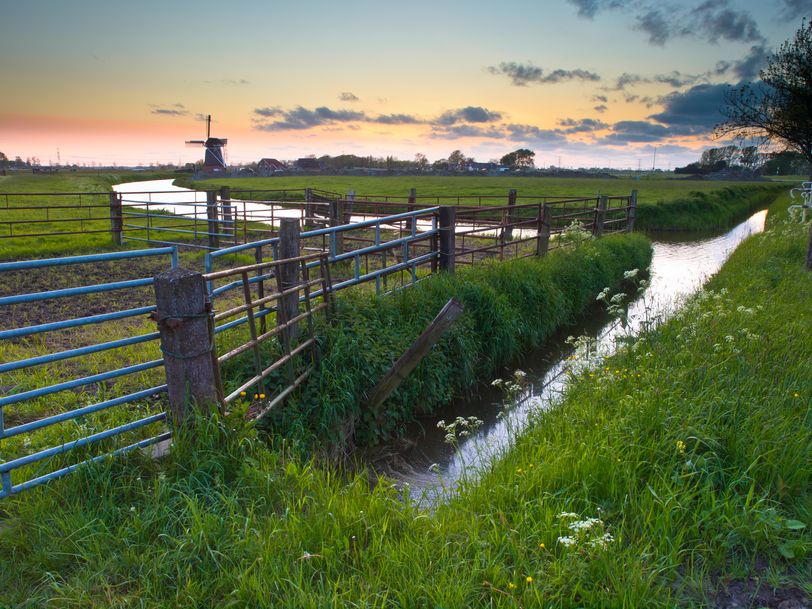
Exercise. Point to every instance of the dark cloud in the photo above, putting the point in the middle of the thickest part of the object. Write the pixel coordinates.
(172, 110)
(302, 118)
(600, 108)
(397, 119)
(748, 68)
(588, 8)
(523, 74)
(625, 132)
(347, 96)
(693, 111)
(677, 79)
(716, 20)
(525, 133)
(658, 28)
(796, 8)
(626, 80)
(581, 125)
(469, 114)
(710, 20)
(600, 98)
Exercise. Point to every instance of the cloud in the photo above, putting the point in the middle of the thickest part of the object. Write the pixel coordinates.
(624, 132)
(531, 133)
(589, 8)
(677, 79)
(694, 111)
(346, 96)
(626, 80)
(600, 98)
(581, 125)
(173, 110)
(468, 114)
(796, 8)
(710, 20)
(748, 68)
(397, 119)
(228, 81)
(453, 132)
(523, 74)
(600, 108)
(302, 118)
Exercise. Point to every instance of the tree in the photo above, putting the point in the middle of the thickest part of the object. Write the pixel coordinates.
(420, 161)
(519, 159)
(777, 109)
(457, 160)
(3, 161)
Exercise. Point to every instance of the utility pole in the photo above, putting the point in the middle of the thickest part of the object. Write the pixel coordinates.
(654, 163)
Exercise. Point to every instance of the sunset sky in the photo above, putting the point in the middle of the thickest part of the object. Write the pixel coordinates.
(580, 82)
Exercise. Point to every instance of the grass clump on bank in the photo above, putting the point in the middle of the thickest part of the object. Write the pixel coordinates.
(705, 210)
(510, 307)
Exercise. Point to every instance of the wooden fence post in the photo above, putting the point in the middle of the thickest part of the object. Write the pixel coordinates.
(116, 218)
(448, 238)
(212, 215)
(600, 216)
(809, 250)
(229, 226)
(411, 204)
(337, 219)
(187, 341)
(543, 244)
(308, 206)
(509, 217)
(631, 213)
(289, 274)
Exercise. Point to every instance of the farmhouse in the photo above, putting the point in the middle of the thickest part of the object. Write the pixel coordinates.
(268, 166)
(307, 164)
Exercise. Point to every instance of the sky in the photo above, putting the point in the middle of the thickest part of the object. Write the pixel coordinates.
(607, 83)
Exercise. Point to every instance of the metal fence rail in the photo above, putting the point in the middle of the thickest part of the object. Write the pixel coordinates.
(32, 464)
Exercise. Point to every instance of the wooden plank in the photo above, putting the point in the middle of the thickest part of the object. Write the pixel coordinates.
(409, 360)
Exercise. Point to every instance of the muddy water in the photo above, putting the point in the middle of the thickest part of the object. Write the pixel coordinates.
(680, 266)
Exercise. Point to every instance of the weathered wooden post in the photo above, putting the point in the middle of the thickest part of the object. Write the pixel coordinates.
(187, 341)
(411, 204)
(600, 216)
(289, 274)
(212, 216)
(809, 250)
(337, 219)
(308, 202)
(229, 226)
(116, 218)
(543, 243)
(631, 213)
(448, 242)
(510, 216)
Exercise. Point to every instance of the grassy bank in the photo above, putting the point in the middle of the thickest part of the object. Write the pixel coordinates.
(695, 460)
(664, 203)
(510, 307)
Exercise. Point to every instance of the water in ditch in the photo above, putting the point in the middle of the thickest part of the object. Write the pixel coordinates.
(432, 468)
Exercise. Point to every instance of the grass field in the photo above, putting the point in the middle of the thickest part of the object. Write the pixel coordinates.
(665, 203)
(677, 474)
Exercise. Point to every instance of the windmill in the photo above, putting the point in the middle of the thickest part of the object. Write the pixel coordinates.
(214, 159)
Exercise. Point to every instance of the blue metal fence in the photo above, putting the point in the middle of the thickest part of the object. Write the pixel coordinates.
(36, 464)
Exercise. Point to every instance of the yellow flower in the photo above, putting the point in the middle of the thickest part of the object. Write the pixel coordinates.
(511, 586)
(242, 393)
(256, 396)
(261, 396)
(681, 447)
(541, 546)
(797, 395)
(529, 579)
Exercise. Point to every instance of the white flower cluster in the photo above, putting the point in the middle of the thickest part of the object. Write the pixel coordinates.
(587, 532)
(460, 427)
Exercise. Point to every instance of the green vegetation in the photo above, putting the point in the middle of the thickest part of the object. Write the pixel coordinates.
(510, 307)
(664, 203)
(694, 459)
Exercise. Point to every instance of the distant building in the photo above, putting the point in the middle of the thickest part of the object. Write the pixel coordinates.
(266, 167)
(482, 167)
(307, 164)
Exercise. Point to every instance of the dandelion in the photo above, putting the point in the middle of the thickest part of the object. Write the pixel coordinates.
(256, 396)
(541, 546)
(528, 579)
(261, 396)
(242, 394)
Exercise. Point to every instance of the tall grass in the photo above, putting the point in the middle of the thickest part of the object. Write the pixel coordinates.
(510, 307)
